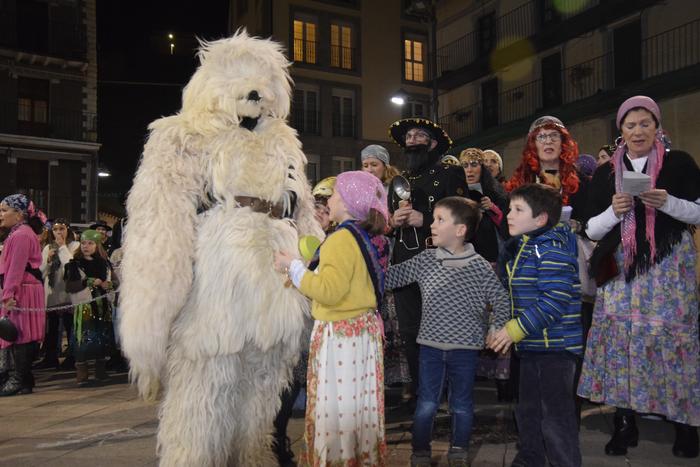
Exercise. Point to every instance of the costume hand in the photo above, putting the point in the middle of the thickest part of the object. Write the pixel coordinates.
(106, 285)
(654, 198)
(282, 261)
(9, 303)
(622, 203)
(401, 215)
(97, 282)
(49, 257)
(415, 218)
(499, 341)
(485, 203)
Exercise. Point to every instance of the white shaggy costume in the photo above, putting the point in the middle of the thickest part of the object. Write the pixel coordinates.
(204, 313)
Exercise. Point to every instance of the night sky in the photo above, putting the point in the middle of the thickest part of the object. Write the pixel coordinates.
(133, 50)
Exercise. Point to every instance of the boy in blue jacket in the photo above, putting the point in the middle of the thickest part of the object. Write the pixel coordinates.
(542, 276)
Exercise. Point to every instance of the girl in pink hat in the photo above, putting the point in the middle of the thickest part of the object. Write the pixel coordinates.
(345, 381)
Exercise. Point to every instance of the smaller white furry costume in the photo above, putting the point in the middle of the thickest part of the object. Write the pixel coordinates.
(204, 312)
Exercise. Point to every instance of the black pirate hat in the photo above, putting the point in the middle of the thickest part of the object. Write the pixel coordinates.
(398, 131)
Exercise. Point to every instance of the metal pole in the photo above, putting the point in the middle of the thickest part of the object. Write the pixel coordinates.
(433, 61)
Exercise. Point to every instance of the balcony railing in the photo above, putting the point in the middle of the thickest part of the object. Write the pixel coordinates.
(517, 24)
(62, 124)
(669, 51)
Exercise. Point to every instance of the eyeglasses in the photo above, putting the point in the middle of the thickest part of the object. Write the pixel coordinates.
(553, 137)
(472, 164)
(417, 135)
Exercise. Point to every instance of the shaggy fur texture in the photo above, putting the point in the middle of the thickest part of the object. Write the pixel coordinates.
(204, 313)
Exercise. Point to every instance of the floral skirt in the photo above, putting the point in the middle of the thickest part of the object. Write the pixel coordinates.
(643, 351)
(344, 423)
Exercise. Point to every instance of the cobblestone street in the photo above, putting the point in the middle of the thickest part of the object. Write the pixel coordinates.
(62, 425)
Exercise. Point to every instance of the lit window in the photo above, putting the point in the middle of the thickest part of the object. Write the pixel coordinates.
(413, 60)
(341, 46)
(305, 41)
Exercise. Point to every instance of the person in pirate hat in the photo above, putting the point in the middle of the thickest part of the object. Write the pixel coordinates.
(423, 142)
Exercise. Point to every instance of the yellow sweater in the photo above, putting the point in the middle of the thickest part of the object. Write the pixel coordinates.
(341, 288)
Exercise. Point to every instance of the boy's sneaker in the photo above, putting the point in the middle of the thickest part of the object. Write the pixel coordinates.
(420, 459)
(457, 457)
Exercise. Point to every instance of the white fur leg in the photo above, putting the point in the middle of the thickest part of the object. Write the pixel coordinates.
(266, 375)
(198, 417)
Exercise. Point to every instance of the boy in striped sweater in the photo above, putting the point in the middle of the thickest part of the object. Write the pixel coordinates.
(542, 276)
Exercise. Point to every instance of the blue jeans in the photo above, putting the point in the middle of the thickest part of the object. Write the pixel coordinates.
(458, 368)
(546, 411)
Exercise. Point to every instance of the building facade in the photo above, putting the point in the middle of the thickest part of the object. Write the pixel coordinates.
(502, 63)
(48, 104)
(349, 58)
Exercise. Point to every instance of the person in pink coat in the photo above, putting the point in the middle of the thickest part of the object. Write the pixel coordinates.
(22, 288)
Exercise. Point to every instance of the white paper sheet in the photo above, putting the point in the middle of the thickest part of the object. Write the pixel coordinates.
(565, 214)
(635, 183)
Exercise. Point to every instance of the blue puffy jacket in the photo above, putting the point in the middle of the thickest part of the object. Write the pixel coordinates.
(545, 292)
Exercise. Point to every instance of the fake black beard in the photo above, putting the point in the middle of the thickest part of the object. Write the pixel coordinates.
(419, 158)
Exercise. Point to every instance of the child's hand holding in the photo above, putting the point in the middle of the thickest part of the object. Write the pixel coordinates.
(499, 341)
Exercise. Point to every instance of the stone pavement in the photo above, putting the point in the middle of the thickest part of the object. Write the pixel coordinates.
(102, 426)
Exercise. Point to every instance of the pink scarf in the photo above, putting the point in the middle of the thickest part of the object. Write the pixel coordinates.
(629, 223)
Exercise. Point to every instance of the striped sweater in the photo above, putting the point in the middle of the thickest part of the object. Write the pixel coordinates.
(545, 293)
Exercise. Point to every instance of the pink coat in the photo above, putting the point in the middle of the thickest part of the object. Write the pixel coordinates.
(22, 247)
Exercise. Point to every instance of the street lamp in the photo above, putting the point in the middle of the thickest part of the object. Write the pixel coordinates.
(425, 11)
(103, 173)
(171, 38)
(399, 97)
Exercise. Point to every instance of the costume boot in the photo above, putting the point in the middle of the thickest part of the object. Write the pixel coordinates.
(81, 373)
(625, 435)
(504, 390)
(20, 378)
(101, 370)
(686, 443)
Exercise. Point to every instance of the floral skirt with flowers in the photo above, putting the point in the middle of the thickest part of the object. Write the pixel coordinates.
(344, 423)
(643, 351)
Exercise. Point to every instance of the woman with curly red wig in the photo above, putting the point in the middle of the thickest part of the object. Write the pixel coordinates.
(549, 157)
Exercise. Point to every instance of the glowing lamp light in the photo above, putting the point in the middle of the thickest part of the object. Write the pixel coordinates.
(398, 100)
(103, 173)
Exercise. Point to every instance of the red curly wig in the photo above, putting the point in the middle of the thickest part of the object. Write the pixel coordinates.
(529, 167)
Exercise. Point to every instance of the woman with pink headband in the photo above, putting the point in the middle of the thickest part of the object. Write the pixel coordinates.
(345, 381)
(643, 353)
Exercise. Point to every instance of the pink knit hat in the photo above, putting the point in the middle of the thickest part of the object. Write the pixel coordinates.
(644, 102)
(361, 191)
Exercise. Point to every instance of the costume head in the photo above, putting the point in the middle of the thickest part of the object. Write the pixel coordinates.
(586, 165)
(376, 151)
(654, 164)
(20, 203)
(499, 160)
(424, 154)
(360, 192)
(91, 235)
(239, 80)
(471, 155)
(100, 225)
(529, 171)
(324, 189)
(449, 159)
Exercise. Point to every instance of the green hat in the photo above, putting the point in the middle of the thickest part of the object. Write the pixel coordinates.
(92, 235)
